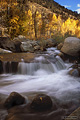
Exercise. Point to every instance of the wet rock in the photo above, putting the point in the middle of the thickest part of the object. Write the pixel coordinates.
(75, 65)
(60, 46)
(41, 102)
(7, 67)
(14, 66)
(10, 67)
(1, 67)
(74, 72)
(14, 99)
(69, 58)
(4, 51)
(71, 46)
(62, 55)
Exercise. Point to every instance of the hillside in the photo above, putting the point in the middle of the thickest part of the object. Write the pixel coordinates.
(38, 19)
(57, 8)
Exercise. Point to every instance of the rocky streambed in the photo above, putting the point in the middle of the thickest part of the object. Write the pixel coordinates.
(40, 85)
(40, 89)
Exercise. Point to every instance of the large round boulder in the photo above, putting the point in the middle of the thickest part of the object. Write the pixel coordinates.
(41, 102)
(14, 99)
(71, 46)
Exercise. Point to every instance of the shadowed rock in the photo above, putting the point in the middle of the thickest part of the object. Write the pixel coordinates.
(1, 67)
(14, 99)
(41, 102)
(8, 44)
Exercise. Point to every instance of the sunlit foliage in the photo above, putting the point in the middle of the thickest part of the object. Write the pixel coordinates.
(34, 25)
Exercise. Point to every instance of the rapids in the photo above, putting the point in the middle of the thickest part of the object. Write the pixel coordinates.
(46, 74)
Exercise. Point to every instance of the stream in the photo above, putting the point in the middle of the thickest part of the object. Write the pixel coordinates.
(47, 74)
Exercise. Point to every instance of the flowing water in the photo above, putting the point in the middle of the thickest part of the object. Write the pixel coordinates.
(46, 74)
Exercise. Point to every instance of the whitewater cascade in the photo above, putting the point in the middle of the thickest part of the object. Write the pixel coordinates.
(47, 73)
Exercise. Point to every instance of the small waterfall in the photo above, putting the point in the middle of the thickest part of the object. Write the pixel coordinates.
(47, 74)
(59, 63)
(40, 63)
(30, 68)
(48, 64)
(9, 67)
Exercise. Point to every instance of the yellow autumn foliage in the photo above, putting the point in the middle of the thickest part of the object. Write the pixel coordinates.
(14, 20)
(36, 25)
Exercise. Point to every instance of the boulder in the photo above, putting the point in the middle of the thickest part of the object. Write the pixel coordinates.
(60, 46)
(3, 41)
(47, 43)
(4, 51)
(20, 38)
(41, 102)
(17, 46)
(26, 47)
(50, 42)
(29, 46)
(8, 44)
(14, 99)
(71, 46)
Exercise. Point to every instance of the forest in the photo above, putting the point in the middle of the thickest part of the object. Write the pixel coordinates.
(34, 24)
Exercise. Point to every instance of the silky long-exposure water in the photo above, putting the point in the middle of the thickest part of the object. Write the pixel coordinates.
(47, 74)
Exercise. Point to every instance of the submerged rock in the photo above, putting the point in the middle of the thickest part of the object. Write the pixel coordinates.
(41, 102)
(14, 99)
(74, 72)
